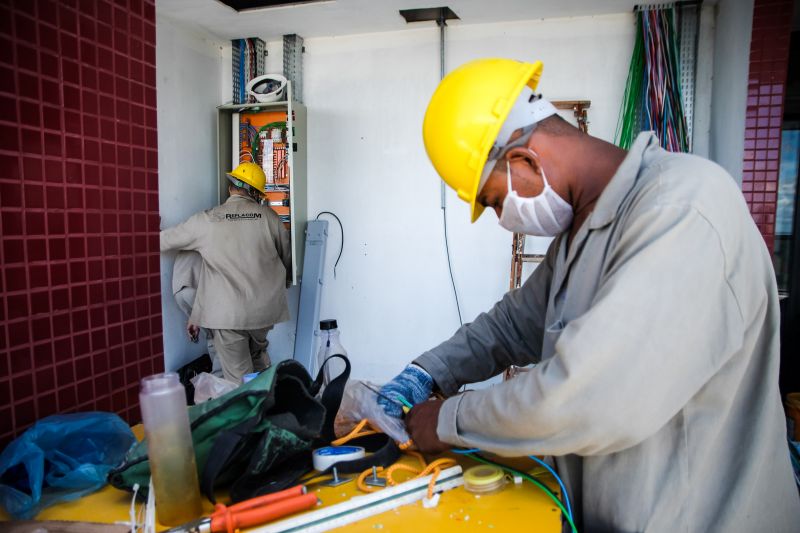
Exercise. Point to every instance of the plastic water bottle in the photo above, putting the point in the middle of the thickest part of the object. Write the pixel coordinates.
(169, 447)
(330, 345)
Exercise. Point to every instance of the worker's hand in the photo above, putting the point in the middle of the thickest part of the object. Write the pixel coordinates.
(413, 384)
(193, 332)
(421, 423)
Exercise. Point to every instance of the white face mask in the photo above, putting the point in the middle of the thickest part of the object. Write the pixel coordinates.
(544, 215)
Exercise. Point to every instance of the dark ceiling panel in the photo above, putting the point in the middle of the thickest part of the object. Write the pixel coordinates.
(428, 13)
(244, 5)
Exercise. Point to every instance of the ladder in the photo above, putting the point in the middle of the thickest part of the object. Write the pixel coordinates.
(518, 256)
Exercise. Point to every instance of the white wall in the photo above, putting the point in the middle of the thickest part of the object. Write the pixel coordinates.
(734, 23)
(366, 97)
(188, 64)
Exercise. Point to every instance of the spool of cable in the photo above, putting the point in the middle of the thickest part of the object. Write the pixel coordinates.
(324, 458)
(484, 479)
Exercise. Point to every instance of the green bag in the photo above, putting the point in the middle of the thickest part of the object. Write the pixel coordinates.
(258, 438)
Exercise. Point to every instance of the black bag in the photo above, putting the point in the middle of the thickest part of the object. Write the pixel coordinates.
(190, 370)
(258, 438)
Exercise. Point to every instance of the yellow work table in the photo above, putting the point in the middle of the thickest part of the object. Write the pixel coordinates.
(516, 507)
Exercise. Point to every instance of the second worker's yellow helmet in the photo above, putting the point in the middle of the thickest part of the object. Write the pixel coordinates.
(248, 175)
(465, 115)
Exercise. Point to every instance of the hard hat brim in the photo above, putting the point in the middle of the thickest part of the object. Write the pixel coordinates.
(530, 78)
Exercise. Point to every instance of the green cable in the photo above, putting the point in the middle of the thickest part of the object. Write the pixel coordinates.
(630, 110)
(254, 145)
(529, 478)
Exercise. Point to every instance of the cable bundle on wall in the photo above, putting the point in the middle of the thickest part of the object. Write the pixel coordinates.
(652, 99)
(248, 59)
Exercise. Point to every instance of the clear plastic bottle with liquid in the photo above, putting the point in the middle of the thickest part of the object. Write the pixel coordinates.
(330, 345)
(169, 449)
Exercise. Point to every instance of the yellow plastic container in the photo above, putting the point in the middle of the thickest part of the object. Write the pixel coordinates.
(484, 479)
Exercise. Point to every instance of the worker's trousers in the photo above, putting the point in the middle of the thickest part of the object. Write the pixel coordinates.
(241, 351)
(185, 300)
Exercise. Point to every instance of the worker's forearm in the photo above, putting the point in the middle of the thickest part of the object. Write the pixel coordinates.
(491, 343)
(478, 351)
(179, 237)
(509, 334)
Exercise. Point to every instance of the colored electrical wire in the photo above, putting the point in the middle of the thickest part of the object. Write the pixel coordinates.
(341, 246)
(545, 465)
(527, 477)
(558, 479)
(652, 98)
(402, 399)
(255, 138)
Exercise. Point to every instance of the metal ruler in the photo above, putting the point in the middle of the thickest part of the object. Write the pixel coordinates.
(361, 507)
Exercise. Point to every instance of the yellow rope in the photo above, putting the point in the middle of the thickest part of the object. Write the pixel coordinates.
(363, 429)
(356, 432)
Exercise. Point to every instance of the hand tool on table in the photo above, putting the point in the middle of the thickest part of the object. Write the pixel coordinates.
(251, 512)
(402, 401)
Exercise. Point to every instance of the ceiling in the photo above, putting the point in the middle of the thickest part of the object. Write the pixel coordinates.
(347, 17)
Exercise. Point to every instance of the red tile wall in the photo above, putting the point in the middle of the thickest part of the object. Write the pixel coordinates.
(769, 59)
(80, 299)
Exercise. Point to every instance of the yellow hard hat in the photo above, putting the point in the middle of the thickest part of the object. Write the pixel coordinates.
(248, 174)
(465, 115)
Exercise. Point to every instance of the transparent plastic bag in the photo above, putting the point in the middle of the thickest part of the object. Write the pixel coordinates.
(61, 458)
(358, 403)
(208, 386)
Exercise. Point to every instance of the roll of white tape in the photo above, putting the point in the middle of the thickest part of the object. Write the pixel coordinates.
(324, 458)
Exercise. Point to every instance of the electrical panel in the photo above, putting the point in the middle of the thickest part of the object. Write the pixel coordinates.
(272, 135)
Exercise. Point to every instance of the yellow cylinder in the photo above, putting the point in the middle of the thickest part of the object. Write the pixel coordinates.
(170, 450)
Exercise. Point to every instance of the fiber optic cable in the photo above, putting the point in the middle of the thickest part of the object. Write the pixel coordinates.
(470, 452)
(558, 479)
(527, 477)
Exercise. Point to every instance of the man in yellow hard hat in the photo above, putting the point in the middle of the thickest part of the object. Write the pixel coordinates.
(652, 322)
(246, 255)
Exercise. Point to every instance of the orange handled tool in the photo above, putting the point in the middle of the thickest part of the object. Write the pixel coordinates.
(251, 512)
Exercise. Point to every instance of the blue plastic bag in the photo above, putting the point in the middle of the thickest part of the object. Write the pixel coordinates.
(61, 458)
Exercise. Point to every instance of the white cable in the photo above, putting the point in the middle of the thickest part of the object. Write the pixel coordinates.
(150, 511)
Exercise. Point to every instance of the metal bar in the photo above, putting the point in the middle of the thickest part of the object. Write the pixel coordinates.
(310, 292)
(293, 63)
(442, 22)
(688, 37)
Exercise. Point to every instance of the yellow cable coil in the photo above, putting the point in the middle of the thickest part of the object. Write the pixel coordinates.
(435, 467)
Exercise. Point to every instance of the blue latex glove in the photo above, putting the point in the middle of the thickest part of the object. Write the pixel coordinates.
(413, 383)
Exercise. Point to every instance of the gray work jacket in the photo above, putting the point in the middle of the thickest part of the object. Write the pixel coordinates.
(186, 270)
(246, 254)
(656, 336)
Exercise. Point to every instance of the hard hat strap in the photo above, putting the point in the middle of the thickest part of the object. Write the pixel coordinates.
(498, 151)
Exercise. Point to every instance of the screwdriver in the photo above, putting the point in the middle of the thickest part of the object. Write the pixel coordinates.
(402, 401)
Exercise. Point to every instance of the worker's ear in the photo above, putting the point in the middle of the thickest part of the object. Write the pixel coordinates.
(526, 155)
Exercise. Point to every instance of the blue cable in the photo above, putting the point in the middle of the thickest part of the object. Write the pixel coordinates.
(560, 484)
(463, 451)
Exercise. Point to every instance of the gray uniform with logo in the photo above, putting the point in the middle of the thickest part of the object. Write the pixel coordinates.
(241, 292)
(656, 336)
